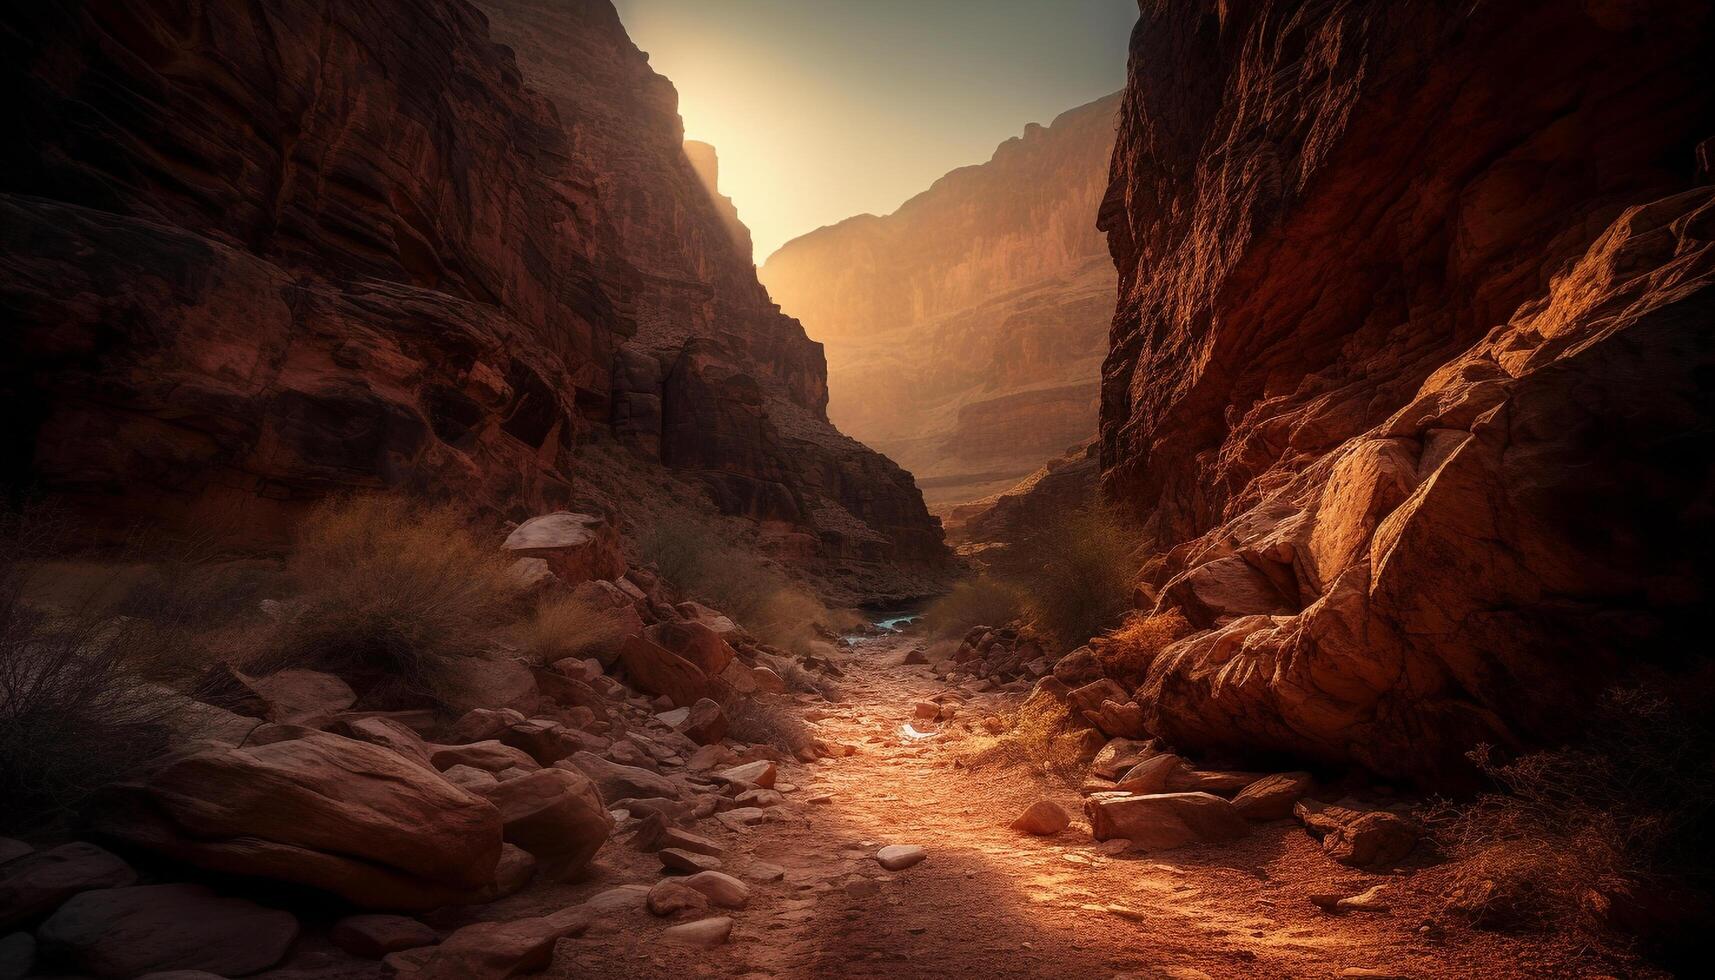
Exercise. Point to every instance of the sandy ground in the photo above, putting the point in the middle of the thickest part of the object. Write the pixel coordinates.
(990, 902)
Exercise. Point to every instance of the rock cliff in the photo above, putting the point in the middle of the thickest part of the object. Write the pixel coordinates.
(254, 253)
(965, 331)
(1410, 372)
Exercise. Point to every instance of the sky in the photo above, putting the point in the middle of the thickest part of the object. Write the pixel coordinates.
(823, 109)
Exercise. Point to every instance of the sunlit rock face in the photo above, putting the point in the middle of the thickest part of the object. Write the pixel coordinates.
(1410, 375)
(964, 332)
(253, 253)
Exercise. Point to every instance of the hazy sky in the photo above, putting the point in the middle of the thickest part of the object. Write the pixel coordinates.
(822, 109)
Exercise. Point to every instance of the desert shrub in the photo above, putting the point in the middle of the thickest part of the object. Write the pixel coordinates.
(764, 720)
(1041, 735)
(1567, 829)
(567, 626)
(802, 680)
(1129, 650)
(702, 564)
(391, 592)
(981, 601)
(76, 711)
(1076, 575)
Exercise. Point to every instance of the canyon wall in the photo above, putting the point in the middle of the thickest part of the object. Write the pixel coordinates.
(255, 253)
(964, 332)
(1410, 376)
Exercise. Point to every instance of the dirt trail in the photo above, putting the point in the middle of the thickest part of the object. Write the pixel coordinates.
(990, 902)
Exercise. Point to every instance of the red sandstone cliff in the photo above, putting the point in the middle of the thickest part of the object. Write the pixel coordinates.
(1410, 375)
(256, 252)
(965, 330)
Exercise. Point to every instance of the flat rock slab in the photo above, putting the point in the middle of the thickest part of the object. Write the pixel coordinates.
(1159, 821)
(125, 932)
(674, 859)
(703, 932)
(374, 936)
(898, 857)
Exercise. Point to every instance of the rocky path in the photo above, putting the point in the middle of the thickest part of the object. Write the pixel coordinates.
(989, 901)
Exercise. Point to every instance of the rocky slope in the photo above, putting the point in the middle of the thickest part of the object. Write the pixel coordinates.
(965, 330)
(265, 251)
(1409, 376)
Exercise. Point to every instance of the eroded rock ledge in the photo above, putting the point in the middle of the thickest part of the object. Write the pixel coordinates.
(1409, 376)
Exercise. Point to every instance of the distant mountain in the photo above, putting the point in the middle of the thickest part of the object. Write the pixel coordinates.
(965, 332)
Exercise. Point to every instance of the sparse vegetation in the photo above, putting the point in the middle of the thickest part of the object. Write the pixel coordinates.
(981, 601)
(1572, 836)
(1079, 573)
(802, 680)
(566, 626)
(76, 709)
(392, 590)
(1129, 650)
(762, 719)
(1042, 735)
(702, 564)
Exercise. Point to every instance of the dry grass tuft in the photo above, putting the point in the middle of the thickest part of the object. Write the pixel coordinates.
(566, 626)
(1567, 830)
(392, 590)
(802, 680)
(762, 719)
(1078, 574)
(702, 564)
(1130, 650)
(1042, 735)
(981, 601)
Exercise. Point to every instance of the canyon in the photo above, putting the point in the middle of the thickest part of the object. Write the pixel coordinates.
(965, 331)
(434, 550)
(275, 251)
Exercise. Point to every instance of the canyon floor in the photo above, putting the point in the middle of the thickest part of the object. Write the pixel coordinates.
(990, 901)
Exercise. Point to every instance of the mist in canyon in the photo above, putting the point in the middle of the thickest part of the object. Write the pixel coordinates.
(652, 488)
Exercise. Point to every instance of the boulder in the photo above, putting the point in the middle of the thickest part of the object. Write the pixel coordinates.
(324, 811)
(1089, 698)
(374, 936)
(1359, 838)
(617, 782)
(1078, 668)
(658, 671)
(303, 697)
(695, 642)
(490, 681)
(36, 882)
(389, 734)
(483, 724)
(1152, 775)
(492, 950)
(1119, 755)
(1217, 781)
(578, 547)
(542, 739)
(125, 932)
(1117, 720)
(1044, 818)
(530, 575)
(555, 814)
(1159, 821)
(706, 723)
(1272, 797)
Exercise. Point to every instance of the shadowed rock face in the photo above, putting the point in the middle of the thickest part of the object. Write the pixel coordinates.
(256, 252)
(1410, 375)
(965, 331)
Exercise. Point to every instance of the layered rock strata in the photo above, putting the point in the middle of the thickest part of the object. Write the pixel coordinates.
(1409, 377)
(261, 252)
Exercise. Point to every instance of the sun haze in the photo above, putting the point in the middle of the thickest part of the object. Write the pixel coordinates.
(822, 109)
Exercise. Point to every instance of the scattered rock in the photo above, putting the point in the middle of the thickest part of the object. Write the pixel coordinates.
(124, 932)
(1118, 719)
(1272, 797)
(492, 949)
(577, 547)
(1359, 838)
(34, 883)
(482, 724)
(374, 936)
(1151, 775)
(703, 932)
(1044, 818)
(705, 723)
(1164, 820)
(759, 798)
(1119, 755)
(764, 872)
(489, 755)
(1368, 901)
(661, 672)
(722, 889)
(555, 814)
(671, 896)
(690, 862)
(695, 642)
(760, 774)
(618, 782)
(898, 857)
